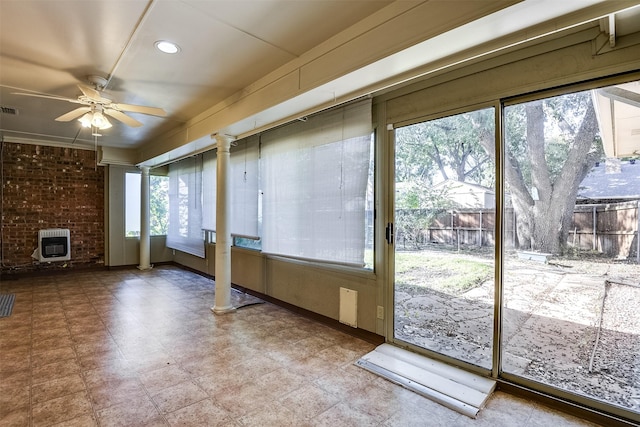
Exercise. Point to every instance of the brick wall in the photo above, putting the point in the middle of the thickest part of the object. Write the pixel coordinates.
(50, 187)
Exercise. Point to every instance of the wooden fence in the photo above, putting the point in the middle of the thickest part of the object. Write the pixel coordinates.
(611, 229)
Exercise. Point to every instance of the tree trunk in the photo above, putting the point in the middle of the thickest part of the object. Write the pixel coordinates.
(552, 213)
(545, 211)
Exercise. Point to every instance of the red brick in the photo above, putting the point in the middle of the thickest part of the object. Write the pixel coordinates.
(50, 187)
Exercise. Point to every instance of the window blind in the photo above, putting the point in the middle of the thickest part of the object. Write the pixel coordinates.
(243, 176)
(185, 206)
(314, 181)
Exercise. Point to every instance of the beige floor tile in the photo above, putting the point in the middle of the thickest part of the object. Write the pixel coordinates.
(115, 392)
(44, 326)
(136, 412)
(281, 382)
(51, 356)
(56, 388)
(217, 384)
(14, 398)
(411, 415)
(14, 362)
(204, 413)
(54, 370)
(342, 382)
(162, 378)
(12, 380)
(313, 367)
(503, 410)
(61, 409)
(344, 416)
(46, 344)
(275, 415)
(81, 421)
(339, 355)
(15, 418)
(18, 353)
(19, 332)
(178, 396)
(150, 353)
(243, 399)
(309, 401)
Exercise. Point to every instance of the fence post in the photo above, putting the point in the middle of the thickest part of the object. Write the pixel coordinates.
(480, 240)
(452, 240)
(595, 229)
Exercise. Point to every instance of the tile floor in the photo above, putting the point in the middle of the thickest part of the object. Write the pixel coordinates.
(131, 348)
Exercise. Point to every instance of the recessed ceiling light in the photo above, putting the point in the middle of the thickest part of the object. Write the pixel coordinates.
(167, 47)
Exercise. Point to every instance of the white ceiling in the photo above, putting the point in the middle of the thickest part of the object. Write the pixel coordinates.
(49, 46)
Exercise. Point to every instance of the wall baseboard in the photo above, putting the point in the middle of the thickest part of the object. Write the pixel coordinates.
(362, 334)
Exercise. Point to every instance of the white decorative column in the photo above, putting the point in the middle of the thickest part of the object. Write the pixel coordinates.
(223, 231)
(145, 242)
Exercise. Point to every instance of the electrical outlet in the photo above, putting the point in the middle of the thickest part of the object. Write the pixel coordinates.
(380, 313)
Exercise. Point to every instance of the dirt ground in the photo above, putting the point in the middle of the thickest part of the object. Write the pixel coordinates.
(571, 323)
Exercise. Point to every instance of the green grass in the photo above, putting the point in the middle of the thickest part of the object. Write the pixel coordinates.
(448, 273)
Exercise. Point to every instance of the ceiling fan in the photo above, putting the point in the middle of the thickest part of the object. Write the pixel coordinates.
(95, 107)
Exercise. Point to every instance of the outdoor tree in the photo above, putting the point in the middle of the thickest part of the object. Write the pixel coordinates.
(159, 205)
(435, 152)
(446, 149)
(550, 147)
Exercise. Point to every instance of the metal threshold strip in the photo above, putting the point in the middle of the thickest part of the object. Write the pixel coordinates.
(452, 387)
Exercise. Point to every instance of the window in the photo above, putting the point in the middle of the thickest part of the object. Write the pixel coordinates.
(571, 244)
(314, 178)
(159, 205)
(132, 204)
(243, 196)
(185, 206)
(304, 190)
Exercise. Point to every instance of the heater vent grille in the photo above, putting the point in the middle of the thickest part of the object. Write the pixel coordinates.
(54, 244)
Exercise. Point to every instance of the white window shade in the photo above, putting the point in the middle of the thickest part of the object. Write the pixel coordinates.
(314, 181)
(185, 206)
(209, 168)
(243, 176)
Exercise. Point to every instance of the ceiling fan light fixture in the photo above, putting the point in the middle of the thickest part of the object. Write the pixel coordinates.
(85, 120)
(100, 121)
(167, 46)
(95, 120)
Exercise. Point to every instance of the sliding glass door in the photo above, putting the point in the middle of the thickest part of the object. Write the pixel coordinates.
(568, 239)
(444, 239)
(571, 274)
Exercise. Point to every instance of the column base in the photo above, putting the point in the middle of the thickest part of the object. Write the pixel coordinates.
(145, 267)
(223, 310)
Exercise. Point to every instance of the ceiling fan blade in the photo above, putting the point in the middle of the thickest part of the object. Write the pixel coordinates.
(154, 111)
(91, 93)
(118, 115)
(73, 114)
(57, 98)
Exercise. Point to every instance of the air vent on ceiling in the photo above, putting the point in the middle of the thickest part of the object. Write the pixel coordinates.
(9, 110)
(635, 132)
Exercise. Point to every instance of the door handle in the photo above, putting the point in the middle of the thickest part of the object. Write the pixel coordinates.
(389, 233)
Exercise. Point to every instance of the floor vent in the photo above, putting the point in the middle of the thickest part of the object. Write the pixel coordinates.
(348, 307)
(452, 387)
